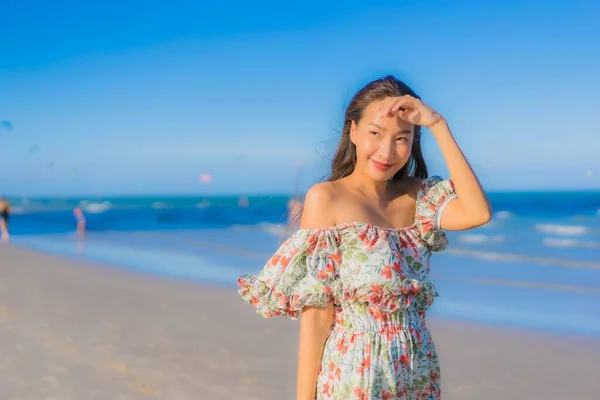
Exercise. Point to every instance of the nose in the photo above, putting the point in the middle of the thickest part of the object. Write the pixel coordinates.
(387, 150)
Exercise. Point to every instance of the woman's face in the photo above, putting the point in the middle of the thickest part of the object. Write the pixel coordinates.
(383, 143)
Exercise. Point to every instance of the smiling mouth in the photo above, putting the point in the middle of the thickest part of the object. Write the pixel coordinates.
(382, 166)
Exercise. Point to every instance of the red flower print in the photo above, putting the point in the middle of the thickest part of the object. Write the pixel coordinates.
(322, 274)
(338, 373)
(284, 261)
(341, 346)
(360, 394)
(368, 237)
(376, 313)
(274, 261)
(327, 389)
(387, 272)
(404, 359)
(336, 257)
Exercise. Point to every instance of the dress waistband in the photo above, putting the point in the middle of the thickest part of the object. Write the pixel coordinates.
(385, 323)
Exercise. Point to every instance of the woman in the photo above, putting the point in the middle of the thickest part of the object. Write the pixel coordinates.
(357, 270)
(80, 222)
(5, 211)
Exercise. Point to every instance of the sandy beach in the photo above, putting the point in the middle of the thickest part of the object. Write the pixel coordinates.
(74, 330)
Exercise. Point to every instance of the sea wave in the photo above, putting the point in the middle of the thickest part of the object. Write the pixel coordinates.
(504, 214)
(558, 229)
(552, 242)
(157, 205)
(480, 239)
(96, 208)
(511, 257)
(202, 204)
(275, 229)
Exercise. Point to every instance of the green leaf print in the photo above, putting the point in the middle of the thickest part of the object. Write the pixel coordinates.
(417, 266)
(348, 254)
(343, 391)
(361, 310)
(361, 257)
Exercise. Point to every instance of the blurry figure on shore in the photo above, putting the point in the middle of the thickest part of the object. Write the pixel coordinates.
(80, 219)
(5, 211)
(243, 202)
(294, 213)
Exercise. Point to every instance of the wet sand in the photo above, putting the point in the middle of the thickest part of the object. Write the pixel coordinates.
(74, 330)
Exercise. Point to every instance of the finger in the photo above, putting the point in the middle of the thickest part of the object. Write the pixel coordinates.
(410, 102)
(404, 103)
(394, 104)
(399, 105)
(404, 115)
(386, 105)
(409, 115)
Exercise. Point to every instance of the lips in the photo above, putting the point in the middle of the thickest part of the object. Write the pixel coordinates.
(382, 166)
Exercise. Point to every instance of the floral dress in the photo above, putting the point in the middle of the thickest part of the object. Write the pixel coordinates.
(378, 281)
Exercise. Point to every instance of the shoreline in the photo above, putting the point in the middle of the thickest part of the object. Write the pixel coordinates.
(77, 330)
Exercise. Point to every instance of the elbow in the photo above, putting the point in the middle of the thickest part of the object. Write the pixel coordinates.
(484, 217)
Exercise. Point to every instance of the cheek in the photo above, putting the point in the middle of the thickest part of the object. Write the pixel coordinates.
(366, 146)
(403, 149)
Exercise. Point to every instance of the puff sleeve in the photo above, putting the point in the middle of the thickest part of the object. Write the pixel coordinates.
(434, 195)
(303, 272)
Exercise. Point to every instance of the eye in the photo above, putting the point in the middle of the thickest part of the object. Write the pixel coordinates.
(374, 133)
(402, 138)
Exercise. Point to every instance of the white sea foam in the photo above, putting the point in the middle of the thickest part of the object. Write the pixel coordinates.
(278, 230)
(96, 208)
(160, 204)
(480, 239)
(552, 242)
(502, 214)
(274, 229)
(512, 257)
(203, 204)
(567, 230)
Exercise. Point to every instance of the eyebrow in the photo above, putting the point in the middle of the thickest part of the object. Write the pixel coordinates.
(383, 129)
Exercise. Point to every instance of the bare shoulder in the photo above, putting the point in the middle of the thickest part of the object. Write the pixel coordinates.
(317, 212)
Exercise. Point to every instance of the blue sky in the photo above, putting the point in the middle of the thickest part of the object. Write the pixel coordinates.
(142, 97)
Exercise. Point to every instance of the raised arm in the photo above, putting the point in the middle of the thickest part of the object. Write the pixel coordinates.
(472, 208)
(315, 322)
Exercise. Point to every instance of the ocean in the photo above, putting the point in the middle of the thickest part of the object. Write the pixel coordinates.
(535, 265)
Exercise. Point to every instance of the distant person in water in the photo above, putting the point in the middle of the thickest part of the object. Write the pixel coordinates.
(5, 211)
(80, 219)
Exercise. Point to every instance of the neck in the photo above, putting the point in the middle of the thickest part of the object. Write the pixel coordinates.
(368, 186)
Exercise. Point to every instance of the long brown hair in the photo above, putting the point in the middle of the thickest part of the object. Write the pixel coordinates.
(344, 160)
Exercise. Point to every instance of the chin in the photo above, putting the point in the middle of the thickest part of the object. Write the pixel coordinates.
(380, 176)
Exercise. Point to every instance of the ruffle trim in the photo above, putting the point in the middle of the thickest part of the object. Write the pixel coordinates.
(434, 193)
(270, 301)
